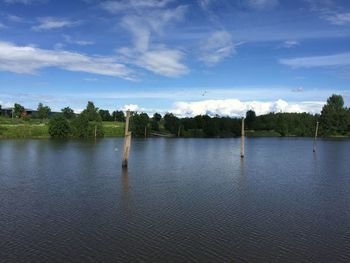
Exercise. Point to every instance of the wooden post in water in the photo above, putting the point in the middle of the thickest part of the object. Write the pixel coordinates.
(95, 131)
(179, 131)
(315, 138)
(145, 132)
(242, 139)
(127, 141)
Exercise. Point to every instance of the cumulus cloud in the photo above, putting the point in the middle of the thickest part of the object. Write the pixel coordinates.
(217, 47)
(262, 4)
(48, 23)
(28, 60)
(236, 108)
(341, 59)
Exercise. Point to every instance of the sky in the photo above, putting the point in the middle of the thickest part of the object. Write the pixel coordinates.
(220, 57)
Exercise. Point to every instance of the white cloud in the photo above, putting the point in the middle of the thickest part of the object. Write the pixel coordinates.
(262, 4)
(216, 48)
(28, 60)
(70, 40)
(339, 18)
(14, 18)
(341, 59)
(123, 5)
(48, 23)
(25, 2)
(290, 43)
(236, 108)
(165, 62)
(143, 26)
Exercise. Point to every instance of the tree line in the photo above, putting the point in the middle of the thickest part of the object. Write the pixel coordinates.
(334, 121)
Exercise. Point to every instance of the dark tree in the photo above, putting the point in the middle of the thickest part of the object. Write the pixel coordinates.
(171, 123)
(250, 118)
(43, 111)
(59, 127)
(118, 116)
(138, 123)
(105, 115)
(333, 116)
(156, 121)
(68, 113)
(18, 110)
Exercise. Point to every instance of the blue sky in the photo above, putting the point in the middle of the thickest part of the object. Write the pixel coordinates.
(188, 57)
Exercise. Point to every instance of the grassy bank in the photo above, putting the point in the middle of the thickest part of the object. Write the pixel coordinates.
(38, 129)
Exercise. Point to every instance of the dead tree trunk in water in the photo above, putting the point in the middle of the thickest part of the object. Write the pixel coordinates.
(242, 139)
(127, 141)
(315, 138)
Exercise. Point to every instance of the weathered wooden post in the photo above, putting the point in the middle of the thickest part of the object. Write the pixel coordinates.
(242, 139)
(127, 141)
(315, 138)
(179, 131)
(95, 131)
(145, 132)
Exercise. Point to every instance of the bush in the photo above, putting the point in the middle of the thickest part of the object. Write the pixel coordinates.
(59, 127)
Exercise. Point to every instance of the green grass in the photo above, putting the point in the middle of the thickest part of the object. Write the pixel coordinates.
(18, 128)
(17, 131)
(113, 129)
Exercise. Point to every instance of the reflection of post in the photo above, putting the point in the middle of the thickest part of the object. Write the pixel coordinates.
(242, 139)
(315, 138)
(127, 141)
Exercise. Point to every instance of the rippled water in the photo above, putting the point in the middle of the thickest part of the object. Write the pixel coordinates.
(182, 200)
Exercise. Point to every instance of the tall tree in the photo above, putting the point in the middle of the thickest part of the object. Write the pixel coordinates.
(43, 111)
(333, 116)
(18, 110)
(138, 124)
(156, 121)
(250, 117)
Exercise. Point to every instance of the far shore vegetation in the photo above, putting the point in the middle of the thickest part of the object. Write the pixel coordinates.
(93, 122)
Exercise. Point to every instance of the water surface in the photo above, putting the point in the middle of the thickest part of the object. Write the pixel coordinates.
(181, 200)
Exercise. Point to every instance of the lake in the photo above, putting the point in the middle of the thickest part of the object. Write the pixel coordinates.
(181, 200)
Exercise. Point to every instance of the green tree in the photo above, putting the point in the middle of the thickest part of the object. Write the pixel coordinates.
(156, 121)
(333, 116)
(18, 110)
(138, 123)
(68, 113)
(105, 115)
(171, 123)
(89, 121)
(250, 118)
(43, 111)
(118, 116)
(59, 127)
(91, 112)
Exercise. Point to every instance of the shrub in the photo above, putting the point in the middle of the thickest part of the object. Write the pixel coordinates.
(59, 127)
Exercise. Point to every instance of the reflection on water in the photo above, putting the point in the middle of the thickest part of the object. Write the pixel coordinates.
(181, 200)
